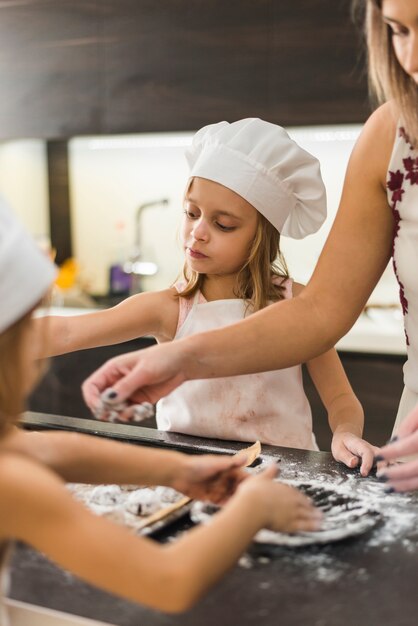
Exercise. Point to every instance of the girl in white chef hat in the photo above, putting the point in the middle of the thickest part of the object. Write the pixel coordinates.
(249, 184)
(35, 506)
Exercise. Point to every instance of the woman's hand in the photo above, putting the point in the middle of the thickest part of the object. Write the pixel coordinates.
(404, 476)
(142, 376)
(352, 451)
(210, 477)
(285, 508)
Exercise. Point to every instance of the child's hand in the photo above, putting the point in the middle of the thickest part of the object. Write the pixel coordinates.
(352, 450)
(210, 477)
(285, 508)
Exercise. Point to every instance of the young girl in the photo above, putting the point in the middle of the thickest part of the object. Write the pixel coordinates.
(249, 182)
(36, 507)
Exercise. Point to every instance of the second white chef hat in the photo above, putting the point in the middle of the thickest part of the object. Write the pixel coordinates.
(25, 272)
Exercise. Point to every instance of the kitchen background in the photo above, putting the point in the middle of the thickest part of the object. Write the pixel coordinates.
(111, 177)
(100, 99)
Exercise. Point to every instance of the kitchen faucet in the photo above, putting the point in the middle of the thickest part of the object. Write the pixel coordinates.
(136, 266)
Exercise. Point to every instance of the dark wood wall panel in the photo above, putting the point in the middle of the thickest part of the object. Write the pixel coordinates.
(59, 199)
(49, 68)
(317, 69)
(292, 62)
(200, 62)
(74, 67)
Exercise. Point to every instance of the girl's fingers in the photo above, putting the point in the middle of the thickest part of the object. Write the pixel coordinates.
(347, 457)
(367, 461)
(307, 519)
(307, 525)
(270, 472)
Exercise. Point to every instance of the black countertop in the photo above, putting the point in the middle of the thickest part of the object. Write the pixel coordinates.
(368, 580)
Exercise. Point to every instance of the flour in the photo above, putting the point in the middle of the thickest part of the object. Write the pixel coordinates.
(396, 516)
(352, 506)
(127, 505)
(398, 512)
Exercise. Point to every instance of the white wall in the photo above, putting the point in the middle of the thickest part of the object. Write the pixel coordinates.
(109, 179)
(111, 176)
(24, 182)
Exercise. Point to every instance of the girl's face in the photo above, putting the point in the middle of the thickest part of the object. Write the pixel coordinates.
(402, 18)
(218, 228)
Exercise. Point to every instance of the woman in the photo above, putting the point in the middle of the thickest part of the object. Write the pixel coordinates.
(375, 221)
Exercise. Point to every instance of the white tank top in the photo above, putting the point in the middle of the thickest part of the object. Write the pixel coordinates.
(271, 406)
(402, 192)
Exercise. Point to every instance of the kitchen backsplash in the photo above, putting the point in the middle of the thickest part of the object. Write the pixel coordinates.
(110, 177)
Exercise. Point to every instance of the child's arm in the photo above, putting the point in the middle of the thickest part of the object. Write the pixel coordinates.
(345, 413)
(151, 313)
(36, 508)
(83, 458)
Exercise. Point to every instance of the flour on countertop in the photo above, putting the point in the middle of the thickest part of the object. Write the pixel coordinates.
(124, 504)
(398, 512)
(398, 517)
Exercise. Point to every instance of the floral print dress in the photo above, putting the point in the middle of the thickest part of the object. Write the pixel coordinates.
(402, 191)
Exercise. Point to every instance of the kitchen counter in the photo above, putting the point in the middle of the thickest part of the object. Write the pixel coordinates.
(370, 579)
(377, 331)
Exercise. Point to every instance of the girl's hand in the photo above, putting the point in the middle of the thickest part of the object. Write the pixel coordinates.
(352, 450)
(142, 376)
(210, 477)
(285, 508)
(404, 476)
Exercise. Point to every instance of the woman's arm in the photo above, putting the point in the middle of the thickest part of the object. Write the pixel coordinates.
(291, 332)
(151, 313)
(36, 508)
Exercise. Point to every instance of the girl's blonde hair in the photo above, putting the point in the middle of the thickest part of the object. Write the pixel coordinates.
(14, 371)
(254, 281)
(387, 79)
(13, 367)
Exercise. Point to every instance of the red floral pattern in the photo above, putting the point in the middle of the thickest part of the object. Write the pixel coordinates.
(411, 166)
(395, 184)
(404, 134)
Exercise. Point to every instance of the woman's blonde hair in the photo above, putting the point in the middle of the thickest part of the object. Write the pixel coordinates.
(387, 79)
(254, 281)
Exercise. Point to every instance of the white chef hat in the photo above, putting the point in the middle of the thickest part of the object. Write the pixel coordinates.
(25, 272)
(261, 163)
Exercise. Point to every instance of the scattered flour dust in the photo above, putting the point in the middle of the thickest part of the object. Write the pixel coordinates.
(398, 512)
(124, 504)
(398, 517)
(398, 523)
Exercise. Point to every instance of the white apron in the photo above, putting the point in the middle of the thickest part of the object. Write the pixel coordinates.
(270, 406)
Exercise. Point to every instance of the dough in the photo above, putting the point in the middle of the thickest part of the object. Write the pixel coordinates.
(344, 516)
